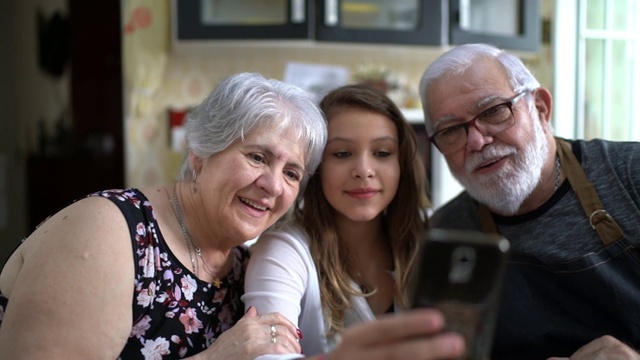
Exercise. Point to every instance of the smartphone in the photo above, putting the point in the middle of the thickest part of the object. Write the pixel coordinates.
(461, 274)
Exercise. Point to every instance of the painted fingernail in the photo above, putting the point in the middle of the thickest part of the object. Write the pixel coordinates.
(299, 334)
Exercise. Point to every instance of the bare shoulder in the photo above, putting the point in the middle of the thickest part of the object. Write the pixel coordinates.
(86, 228)
(77, 265)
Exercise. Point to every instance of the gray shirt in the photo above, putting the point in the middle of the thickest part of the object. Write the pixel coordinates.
(559, 229)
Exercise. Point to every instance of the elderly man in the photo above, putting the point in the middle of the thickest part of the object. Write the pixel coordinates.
(570, 208)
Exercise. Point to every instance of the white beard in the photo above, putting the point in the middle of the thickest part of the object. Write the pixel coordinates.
(507, 189)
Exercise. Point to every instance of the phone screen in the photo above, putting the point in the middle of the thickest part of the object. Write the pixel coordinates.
(461, 274)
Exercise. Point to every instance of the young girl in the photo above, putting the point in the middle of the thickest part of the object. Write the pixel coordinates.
(345, 256)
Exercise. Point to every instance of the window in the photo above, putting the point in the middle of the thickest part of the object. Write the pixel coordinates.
(597, 52)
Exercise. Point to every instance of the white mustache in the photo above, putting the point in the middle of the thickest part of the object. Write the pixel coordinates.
(488, 155)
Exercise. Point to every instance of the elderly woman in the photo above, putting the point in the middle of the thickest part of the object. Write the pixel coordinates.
(157, 273)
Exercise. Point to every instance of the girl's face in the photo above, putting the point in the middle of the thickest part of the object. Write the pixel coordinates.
(360, 168)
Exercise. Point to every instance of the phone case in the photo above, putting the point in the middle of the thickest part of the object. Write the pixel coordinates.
(461, 273)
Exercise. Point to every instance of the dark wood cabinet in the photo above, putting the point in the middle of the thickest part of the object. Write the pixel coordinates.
(96, 71)
(54, 182)
(92, 156)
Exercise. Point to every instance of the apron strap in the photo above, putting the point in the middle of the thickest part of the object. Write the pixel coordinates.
(599, 218)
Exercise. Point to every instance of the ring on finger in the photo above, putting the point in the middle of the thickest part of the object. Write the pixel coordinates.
(274, 334)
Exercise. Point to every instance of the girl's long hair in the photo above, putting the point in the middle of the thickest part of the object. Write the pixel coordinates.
(404, 219)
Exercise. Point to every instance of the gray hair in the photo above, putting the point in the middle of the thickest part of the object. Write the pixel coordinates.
(458, 59)
(244, 102)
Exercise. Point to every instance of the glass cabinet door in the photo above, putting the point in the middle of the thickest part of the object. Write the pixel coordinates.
(381, 21)
(375, 14)
(513, 24)
(244, 12)
(494, 17)
(242, 19)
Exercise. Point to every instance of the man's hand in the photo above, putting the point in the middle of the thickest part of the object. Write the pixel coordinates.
(603, 348)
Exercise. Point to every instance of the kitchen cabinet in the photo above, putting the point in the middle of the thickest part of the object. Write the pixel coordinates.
(408, 22)
(71, 168)
(510, 24)
(241, 19)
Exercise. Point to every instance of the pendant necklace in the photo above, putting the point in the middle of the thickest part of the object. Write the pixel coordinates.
(189, 240)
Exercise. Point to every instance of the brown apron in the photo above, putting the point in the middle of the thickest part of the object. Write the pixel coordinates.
(552, 309)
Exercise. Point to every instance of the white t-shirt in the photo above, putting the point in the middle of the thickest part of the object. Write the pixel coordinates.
(282, 277)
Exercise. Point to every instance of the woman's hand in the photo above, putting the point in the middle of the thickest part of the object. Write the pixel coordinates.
(255, 335)
(415, 334)
(605, 348)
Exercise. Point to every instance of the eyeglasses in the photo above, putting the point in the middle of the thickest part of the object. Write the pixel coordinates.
(492, 121)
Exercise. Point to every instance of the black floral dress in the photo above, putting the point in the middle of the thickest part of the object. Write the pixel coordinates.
(175, 314)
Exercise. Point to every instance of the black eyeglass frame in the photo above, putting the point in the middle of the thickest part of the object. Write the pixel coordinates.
(465, 125)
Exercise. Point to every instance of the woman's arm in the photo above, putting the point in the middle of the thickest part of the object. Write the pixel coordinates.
(278, 274)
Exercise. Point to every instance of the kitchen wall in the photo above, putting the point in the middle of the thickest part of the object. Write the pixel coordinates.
(192, 70)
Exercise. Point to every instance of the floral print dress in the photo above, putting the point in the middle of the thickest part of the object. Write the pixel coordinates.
(175, 314)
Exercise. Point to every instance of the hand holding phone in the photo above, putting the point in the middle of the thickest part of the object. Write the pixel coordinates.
(461, 274)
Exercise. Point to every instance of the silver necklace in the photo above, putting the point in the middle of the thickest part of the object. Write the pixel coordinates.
(190, 243)
(185, 233)
(557, 173)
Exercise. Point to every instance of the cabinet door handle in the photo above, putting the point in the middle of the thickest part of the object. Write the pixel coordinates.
(298, 11)
(331, 12)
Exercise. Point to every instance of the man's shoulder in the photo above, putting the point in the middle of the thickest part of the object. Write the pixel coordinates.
(608, 156)
(459, 213)
(610, 147)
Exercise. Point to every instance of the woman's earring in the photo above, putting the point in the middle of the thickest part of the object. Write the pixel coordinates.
(193, 183)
